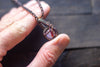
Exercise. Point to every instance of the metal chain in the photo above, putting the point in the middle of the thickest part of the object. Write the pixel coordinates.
(42, 11)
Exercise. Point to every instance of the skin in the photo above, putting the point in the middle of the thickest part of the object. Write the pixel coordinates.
(17, 24)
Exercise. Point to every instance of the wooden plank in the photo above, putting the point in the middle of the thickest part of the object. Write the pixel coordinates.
(70, 7)
(6, 5)
(59, 7)
(81, 58)
(96, 6)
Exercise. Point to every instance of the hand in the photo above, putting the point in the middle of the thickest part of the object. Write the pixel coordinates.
(18, 23)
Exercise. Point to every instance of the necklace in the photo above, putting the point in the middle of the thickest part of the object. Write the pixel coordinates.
(49, 31)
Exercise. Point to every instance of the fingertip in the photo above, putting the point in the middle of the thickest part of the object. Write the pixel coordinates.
(62, 41)
(64, 37)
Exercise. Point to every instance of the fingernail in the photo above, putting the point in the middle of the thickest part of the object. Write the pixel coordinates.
(62, 41)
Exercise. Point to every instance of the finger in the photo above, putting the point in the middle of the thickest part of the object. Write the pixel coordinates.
(17, 31)
(50, 52)
(0, 65)
(24, 13)
(2, 53)
(6, 19)
(14, 15)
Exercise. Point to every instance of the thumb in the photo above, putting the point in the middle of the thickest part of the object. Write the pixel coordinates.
(50, 52)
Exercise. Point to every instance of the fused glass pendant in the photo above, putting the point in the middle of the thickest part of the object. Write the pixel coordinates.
(50, 33)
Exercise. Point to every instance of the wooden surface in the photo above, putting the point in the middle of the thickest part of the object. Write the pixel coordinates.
(80, 58)
(80, 19)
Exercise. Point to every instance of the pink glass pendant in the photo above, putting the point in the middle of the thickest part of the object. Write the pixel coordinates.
(50, 33)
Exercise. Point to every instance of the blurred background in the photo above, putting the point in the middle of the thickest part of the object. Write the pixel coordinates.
(80, 19)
